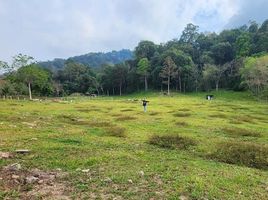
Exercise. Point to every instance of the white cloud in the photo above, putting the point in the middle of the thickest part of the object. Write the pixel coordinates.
(62, 28)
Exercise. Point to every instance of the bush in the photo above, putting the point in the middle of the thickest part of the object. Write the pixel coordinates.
(242, 153)
(171, 141)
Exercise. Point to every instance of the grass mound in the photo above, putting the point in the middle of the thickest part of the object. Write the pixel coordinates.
(96, 123)
(181, 124)
(184, 109)
(171, 141)
(242, 153)
(218, 115)
(244, 118)
(233, 131)
(181, 114)
(115, 131)
(127, 110)
(154, 113)
(125, 118)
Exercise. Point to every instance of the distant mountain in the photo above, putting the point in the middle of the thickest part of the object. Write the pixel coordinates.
(94, 60)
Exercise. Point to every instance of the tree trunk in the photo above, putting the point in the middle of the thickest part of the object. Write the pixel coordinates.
(196, 83)
(30, 91)
(217, 86)
(168, 84)
(120, 89)
(180, 82)
(184, 86)
(145, 83)
(113, 91)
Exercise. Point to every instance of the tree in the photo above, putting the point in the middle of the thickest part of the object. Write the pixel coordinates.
(145, 49)
(222, 52)
(3, 66)
(213, 73)
(143, 70)
(76, 77)
(243, 45)
(169, 71)
(21, 60)
(255, 74)
(33, 76)
(189, 34)
(120, 74)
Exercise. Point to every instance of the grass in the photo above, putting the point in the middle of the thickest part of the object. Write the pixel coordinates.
(182, 146)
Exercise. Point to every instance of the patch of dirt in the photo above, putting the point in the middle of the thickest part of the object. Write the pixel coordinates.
(34, 184)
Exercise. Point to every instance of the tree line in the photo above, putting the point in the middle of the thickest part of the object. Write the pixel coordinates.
(234, 59)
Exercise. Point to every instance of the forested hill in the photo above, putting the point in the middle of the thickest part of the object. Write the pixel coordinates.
(94, 60)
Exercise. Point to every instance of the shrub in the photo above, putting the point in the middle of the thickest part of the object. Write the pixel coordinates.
(242, 153)
(171, 141)
(233, 131)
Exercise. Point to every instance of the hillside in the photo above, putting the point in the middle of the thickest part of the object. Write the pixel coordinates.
(94, 60)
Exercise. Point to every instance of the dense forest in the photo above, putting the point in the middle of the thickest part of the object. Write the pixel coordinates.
(234, 59)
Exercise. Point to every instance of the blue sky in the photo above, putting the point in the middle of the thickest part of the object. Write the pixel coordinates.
(62, 28)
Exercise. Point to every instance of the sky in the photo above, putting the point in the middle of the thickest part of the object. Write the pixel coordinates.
(62, 28)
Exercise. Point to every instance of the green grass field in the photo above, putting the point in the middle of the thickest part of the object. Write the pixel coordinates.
(183, 147)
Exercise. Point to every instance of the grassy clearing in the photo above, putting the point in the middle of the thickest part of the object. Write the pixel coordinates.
(110, 148)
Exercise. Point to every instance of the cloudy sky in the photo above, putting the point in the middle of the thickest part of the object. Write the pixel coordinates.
(62, 28)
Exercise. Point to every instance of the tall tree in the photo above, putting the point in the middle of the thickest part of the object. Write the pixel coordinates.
(189, 34)
(143, 70)
(120, 75)
(255, 74)
(213, 73)
(145, 49)
(169, 71)
(33, 75)
(21, 60)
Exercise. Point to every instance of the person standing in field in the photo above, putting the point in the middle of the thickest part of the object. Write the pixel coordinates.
(144, 104)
